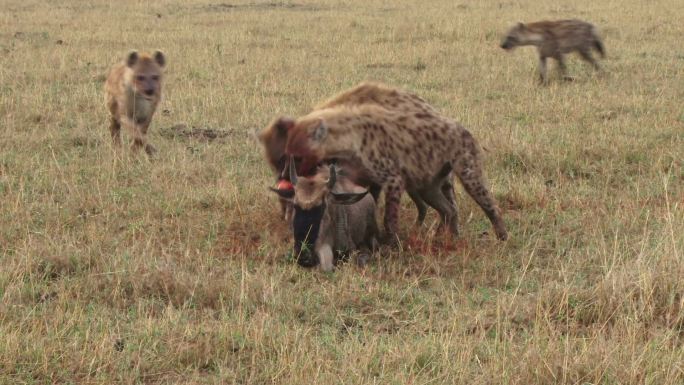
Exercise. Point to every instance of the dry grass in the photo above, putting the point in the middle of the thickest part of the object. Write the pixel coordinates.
(121, 270)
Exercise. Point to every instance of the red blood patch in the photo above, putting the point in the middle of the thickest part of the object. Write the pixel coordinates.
(284, 184)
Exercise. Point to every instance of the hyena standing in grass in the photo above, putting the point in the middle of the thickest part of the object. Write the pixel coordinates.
(132, 93)
(274, 137)
(397, 149)
(553, 39)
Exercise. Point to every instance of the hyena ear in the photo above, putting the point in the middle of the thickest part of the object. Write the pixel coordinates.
(159, 58)
(320, 132)
(132, 58)
(521, 25)
(284, 124)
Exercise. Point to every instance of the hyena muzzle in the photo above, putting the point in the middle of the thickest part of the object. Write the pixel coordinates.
(554, 39)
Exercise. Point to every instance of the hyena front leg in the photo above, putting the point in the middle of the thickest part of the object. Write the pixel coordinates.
(138, 138)
(543, 79)
(393, 190)
(149, 149)
(115, 130)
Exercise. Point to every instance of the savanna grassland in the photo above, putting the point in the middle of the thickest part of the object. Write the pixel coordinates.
(116, 269)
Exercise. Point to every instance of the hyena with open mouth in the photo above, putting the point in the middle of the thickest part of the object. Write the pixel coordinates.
(553, 39)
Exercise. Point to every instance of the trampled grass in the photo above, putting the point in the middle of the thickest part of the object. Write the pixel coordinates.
(116, 269)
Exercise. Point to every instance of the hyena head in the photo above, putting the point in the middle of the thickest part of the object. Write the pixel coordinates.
(516, 36)
(310, 197)
(305, 141)
(145, 73)
(274, 140)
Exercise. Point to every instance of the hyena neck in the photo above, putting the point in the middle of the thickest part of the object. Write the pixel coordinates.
(535, 39)
(138, 108)
(342, 144)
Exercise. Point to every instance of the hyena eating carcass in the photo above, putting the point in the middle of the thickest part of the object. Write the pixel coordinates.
(132, 93)
(396, 149)
(329, 223)
(553, 39)
(274, 137)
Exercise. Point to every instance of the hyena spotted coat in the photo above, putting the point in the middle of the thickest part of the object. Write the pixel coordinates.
(396, 148)
(274, 137)
(132, 93)
(554, 39)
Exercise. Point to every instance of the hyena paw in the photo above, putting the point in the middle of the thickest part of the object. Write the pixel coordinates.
(150, 150)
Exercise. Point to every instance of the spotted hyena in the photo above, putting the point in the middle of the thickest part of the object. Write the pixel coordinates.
(396, 148)
(132, 93)
(274, 137)
(553, 39)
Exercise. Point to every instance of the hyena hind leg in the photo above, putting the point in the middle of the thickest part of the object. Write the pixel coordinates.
(563, 69)
(470, 174)
(485, 200)
(446, 209)
(420, 206)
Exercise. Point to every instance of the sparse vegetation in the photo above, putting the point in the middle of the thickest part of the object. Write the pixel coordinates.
(124, 270)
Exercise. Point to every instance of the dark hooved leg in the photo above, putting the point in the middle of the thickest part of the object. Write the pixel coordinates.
(420, 206)
(115, 130)
(586, 55)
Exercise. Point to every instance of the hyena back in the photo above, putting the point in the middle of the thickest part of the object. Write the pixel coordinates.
(132, 93)
(554, 39)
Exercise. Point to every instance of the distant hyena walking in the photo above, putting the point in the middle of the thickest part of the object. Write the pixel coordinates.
(132, 93)
(553, 39)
